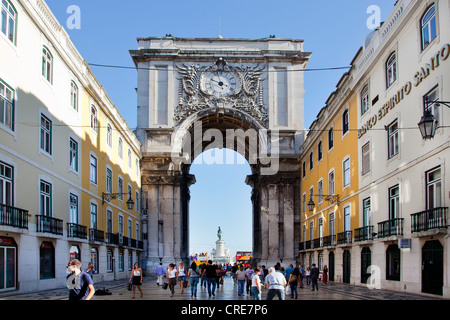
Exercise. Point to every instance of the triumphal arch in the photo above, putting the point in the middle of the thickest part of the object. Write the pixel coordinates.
(201, 93)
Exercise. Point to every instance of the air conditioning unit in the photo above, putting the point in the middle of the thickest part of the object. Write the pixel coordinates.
(120, 238)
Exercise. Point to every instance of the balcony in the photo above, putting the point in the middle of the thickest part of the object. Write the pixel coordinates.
(96, 235)
(389, 228)
(364, 234)
(329, 241)
(112, 238)
(429, 220)
(76, 231)
(344, 237)
(13, 217)
(49, 225)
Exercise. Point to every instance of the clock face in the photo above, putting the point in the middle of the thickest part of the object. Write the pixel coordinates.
(220, 83)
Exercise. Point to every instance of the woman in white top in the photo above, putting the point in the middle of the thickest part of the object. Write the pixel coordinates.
(136, 278)
(256, 285)
(181, 276)
(172, 278)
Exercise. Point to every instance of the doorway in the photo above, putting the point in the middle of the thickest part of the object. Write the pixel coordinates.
(346, 266)
(432, 267)
(331, 266)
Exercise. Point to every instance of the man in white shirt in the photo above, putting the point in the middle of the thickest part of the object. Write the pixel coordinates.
(276, 283)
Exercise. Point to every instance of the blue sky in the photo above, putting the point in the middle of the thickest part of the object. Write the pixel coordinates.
(332, 30)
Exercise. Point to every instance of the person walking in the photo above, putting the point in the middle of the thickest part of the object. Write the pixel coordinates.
(241, 277)
(181, 276)
(314, 276)
(293, 282)
(234, 269)
(160, 274)
(79, 282)
(308, 276)
(249, 273)
(194, 277)
(325, 274)
(209, 273)
(256, 285)
(172, 278)
(136, 279)
(90, 270)
(302, 276)
(276, 282)
(202, 280)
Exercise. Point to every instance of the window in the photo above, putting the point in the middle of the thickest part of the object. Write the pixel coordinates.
(346, 167)
(120, 260)
(331, 224)
(393, 139)
(137, 231)
(130, 228)
(433, 192)
(391, 70)
(94, 119)
(6, 184)
(129, 158)
(311, 162)
(47, 260)
(435, 108)
(311, 231)
(109, 221)
(108, 180)
(304, 202)
(366, 158)
(73, 208)
(394, 201)
(73, 155)
(6, 105)
(393, 263)
(345, 122)
(137, 201)
(364, 99)
(137, 167)
(347, 224)
(46, 134)
(428, 26)
(120, 189)
(319, 151)
(94, 259)
(366, 212)
(304, 236)
(320, 190)
(330, 139)
(120, 148)
(94, 216)
(45, 205)
(331, 183)
(9, 21)
(74, 96)
(109, 135)
(121, 224)
(109, 261)
(93, 170)
(304, 169)
(47, 64)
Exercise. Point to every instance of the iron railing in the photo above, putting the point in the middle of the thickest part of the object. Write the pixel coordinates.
(13, 217)
(429, 219)
(76, 231)
(344, 237)
(96, 235)
(364, 233)
(388, 228)
(49, 225)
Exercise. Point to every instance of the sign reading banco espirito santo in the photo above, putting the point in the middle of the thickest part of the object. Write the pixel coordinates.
(442, 55)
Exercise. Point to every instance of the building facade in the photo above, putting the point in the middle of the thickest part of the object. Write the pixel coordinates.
(401, 242)
(55, 159)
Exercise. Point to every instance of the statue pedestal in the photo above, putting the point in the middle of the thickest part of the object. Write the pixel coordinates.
(220, 248)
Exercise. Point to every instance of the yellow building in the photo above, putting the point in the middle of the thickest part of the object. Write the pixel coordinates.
(329, 200)
(110, 184)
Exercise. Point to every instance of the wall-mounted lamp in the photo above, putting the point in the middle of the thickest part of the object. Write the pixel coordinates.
(334, 198)
(428, 123)
(109, 196)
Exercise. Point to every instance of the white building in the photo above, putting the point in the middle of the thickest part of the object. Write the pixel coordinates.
(404, 185)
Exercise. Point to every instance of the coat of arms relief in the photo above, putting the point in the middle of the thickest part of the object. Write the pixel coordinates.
(220, 85)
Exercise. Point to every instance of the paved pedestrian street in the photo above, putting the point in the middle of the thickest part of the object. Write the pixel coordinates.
(151, 291)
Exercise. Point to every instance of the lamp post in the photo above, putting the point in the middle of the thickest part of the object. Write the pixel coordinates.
(109, 196)
(334, 198)
(428, 122)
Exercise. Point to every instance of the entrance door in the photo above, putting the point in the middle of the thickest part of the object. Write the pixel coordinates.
(366, 261)
(346, 267)
(432, 267)
(7, 266)
(331, 266)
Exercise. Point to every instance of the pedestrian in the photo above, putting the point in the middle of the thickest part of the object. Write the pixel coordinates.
(256, 285)
(181, 276)
(293, 281)
(172, 278)
(288, 271)
(79, 282)
(241, 277)
(90, 270)
(302, 276)
(209, 273)
(325, 274)
(203, 281)
(249, 273)
(314, 277)
(276, 282)
(160, 274)
(234, 269)
(308, 276)
(136, 278)
(194, 276)
(264, 272)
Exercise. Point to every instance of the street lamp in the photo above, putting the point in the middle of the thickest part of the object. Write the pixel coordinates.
(334, 198)
(109, 196)
(428, 123)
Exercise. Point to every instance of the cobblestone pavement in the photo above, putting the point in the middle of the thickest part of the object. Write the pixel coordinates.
(151, 291)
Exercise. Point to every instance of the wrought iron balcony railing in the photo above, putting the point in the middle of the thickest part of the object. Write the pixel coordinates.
(364, 234)
(96, 235)
(49, 225)
(76, 231)
(388, 228)
(429, 219)
(344, 237)
(13, 217)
